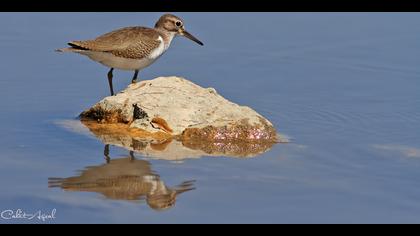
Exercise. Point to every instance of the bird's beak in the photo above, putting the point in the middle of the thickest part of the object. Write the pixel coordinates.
(185, 33)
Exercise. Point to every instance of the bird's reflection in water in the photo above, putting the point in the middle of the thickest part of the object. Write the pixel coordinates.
(124, 179)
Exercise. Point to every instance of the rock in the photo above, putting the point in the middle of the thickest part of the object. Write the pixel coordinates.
(173, 107)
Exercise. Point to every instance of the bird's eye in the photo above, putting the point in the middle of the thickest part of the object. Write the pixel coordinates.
(178, 23)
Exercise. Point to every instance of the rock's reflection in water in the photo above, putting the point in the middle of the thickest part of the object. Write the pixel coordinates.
(172, 149)
(124, 179)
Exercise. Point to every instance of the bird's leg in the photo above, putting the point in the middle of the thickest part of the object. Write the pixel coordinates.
(106, 153)
(110, 81)
(134, 80)
(132, 157)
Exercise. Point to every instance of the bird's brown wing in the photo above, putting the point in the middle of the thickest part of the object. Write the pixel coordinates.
(129, 42)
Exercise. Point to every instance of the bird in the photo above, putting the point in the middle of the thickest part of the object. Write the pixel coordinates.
(131, 48)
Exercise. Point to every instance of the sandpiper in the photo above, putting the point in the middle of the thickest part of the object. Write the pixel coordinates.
(131, 48)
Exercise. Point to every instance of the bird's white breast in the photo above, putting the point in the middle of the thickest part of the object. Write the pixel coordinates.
(157, 52)
(112, 61)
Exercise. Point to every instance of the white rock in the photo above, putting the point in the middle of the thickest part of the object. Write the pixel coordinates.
(190, 111)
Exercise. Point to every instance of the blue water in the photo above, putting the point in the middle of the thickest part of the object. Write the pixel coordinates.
(343, 86)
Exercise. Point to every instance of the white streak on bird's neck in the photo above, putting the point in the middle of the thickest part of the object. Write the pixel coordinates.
(167, 37)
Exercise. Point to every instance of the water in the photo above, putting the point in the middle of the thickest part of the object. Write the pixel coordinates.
(344, 86)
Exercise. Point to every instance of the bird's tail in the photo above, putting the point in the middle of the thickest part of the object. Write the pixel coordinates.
(70, 49)
(74, 47)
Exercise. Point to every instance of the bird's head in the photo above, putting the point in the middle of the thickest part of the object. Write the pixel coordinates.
(174, 24)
